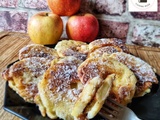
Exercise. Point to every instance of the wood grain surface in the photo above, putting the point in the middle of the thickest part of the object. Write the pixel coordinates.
(11, 43)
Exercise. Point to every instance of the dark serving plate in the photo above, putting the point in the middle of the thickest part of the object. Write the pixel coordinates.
(146, 107)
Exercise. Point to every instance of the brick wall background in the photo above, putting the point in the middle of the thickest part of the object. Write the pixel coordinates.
(142, 28)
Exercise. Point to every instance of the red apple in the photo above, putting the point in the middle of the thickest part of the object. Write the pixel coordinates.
(45, 28)
(82, 27)
(64, 7)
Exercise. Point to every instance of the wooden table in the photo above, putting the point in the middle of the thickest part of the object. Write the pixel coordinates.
(11, 43)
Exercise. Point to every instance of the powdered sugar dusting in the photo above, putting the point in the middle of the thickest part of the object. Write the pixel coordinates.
(29, 72)
(90, 69)
(34, 66)
(60, 78)
(107, 42)
(37, 66)
(36, 50)
(31, 90)
(77, 54)
(142, 70)
(107, 50)
(77, 49)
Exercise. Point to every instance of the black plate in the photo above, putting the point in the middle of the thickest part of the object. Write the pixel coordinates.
(146, 107)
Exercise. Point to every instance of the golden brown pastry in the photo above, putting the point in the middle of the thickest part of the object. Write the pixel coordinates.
(142, 70)
(124, 85)
(37, 50)
(23, 76)
(74, 48)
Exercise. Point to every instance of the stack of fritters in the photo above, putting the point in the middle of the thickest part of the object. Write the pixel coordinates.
(123, 88)
(72, 80)
(115, 48)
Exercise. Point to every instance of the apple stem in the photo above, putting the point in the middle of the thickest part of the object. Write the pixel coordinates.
(46, 14)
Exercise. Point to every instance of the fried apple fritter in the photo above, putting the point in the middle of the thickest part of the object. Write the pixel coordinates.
(23, 76)
(142, 70)
(59, 89)
(124, 85)
(37, 50)
(74, 48)
(107, 42)
(106, 49)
